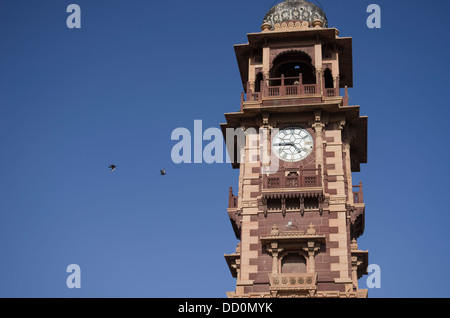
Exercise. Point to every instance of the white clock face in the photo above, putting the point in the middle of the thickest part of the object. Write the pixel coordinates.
(292, 144)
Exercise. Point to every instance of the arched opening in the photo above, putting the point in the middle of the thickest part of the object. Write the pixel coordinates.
(293, 263)
(291, 64)
(328, 77)
(258, 79)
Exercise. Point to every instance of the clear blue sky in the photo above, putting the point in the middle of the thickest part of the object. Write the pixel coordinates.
(74, 101)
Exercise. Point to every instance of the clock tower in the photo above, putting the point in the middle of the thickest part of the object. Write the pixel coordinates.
(298, 224)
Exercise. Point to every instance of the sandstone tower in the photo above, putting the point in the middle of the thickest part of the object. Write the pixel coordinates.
(298, 226)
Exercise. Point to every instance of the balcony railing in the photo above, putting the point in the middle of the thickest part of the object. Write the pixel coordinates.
(358, 195)
(292, 86)
(305, 178)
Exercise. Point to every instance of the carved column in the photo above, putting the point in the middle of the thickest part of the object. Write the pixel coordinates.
(347, 136)
(318, 129)
(275, 251)
(318, 125)
(311, 250)
(265, 138)
(320, 81)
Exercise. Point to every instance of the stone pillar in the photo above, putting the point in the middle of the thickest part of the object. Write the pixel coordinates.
(318, 129)
(266, 61)
(275, 251)
(311, 251)
(312, 247)
(318, 55)
(347, 137)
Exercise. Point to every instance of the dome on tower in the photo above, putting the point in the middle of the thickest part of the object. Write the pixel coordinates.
(295, 12)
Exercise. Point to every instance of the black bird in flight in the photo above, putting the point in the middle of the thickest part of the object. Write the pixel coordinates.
(163, 172)
(112, 167)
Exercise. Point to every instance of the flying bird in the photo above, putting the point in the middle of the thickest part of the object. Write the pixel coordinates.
(163, 172)
(112, 167)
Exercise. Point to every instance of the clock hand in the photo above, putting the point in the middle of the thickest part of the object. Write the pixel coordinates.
(285, 144)
(301, 149)
(297, 148)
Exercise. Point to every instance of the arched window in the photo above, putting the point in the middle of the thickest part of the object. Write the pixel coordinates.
(259, 78)
(293, 263)
(328, 76)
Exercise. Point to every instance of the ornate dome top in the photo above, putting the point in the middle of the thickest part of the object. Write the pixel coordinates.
(295, 11)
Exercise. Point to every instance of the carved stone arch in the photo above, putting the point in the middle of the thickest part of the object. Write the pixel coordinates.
(291, 64)
(306, 52)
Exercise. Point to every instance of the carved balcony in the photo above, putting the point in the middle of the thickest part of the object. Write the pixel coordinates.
(293, 190)
(293, 282)
(304, 178)
(233, 262)
(234, 213)
(356, 212)
(291, 90)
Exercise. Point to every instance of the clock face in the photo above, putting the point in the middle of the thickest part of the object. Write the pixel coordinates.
(293, 144)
